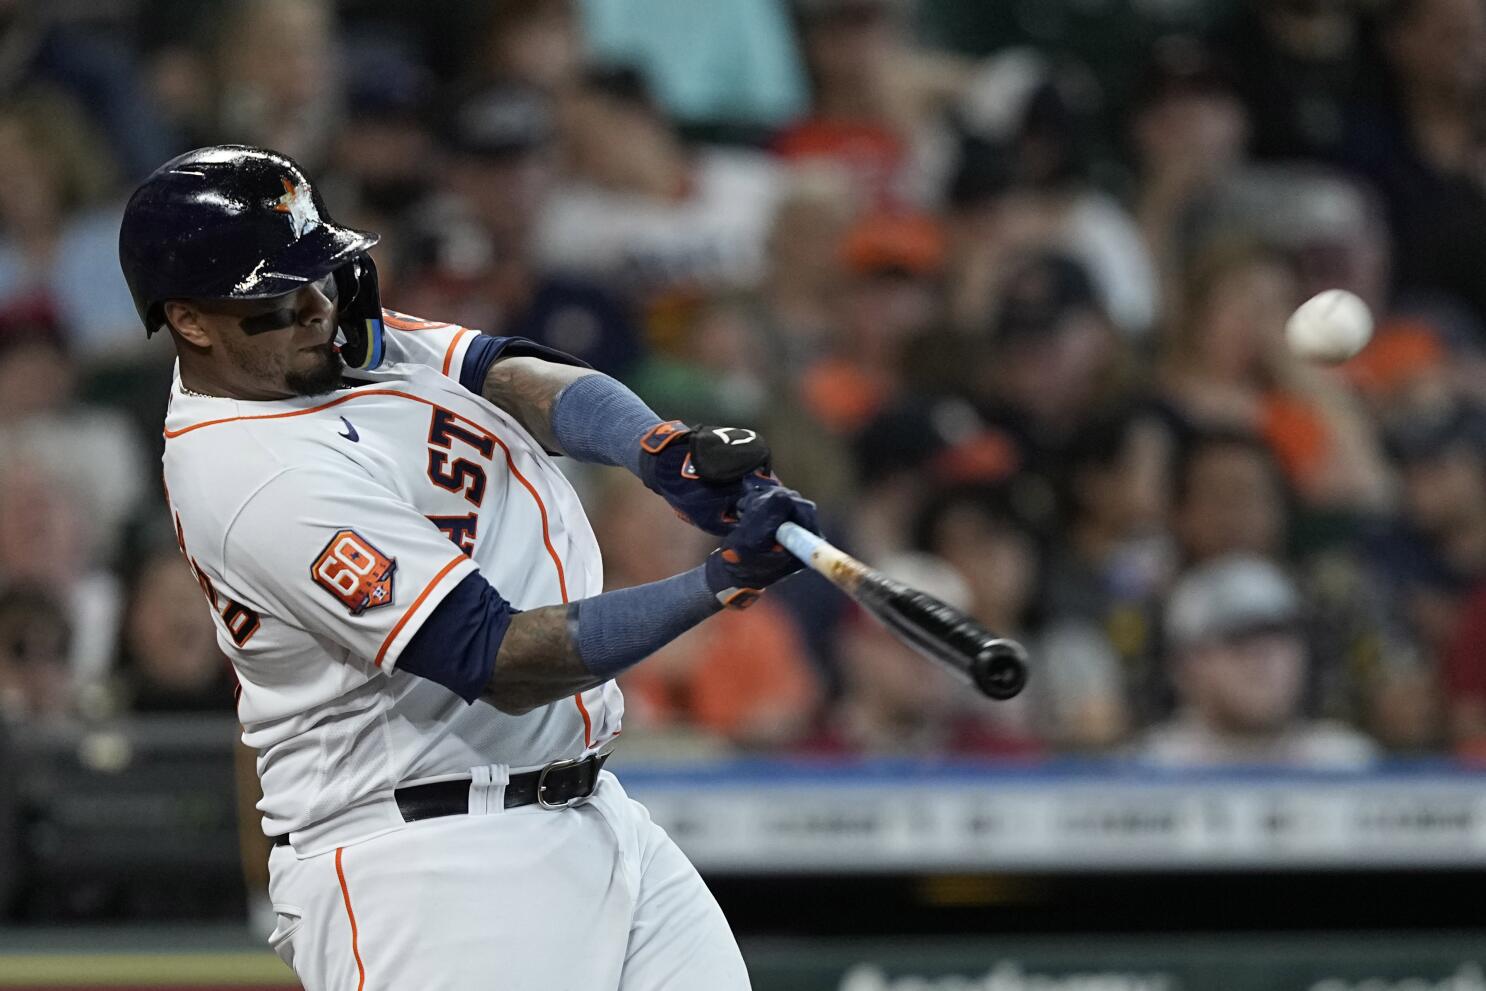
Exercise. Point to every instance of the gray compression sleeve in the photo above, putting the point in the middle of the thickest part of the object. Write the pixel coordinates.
(598, 420)
(619, 629)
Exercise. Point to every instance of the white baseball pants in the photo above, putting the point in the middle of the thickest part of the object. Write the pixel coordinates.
(594, 897)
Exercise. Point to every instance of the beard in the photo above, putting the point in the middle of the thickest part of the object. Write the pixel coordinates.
(271, 370)
(322, 377)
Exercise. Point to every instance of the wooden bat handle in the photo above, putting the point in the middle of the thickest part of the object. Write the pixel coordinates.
(819, 554)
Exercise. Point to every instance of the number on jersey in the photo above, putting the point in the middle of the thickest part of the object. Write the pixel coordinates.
(241, 622)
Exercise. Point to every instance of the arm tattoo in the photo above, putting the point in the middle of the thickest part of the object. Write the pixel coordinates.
(527, 388)
(538, 662)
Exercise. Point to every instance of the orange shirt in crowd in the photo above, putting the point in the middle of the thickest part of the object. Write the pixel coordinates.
(1299, 438)
(744, 675)
(870, 153)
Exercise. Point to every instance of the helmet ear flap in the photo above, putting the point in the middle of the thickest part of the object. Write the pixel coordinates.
(360, 316)
(154, 320)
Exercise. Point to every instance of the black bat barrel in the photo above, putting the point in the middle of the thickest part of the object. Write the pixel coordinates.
(996, 665)
(999, 670)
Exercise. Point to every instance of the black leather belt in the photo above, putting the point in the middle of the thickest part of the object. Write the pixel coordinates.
(559, 784)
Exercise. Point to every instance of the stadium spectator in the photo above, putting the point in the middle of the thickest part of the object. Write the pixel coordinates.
(168, 657)
(921, 446)
(1237, 657)
(716, 371)
(1023, 176)
(95, 67)
(732, 65)
(377, 164)
(1229, 497)
(889, 302)
(798, 299)
(1116, 488)
(1437, 553)
(46, 542)
(1189, 131)
(472, 255)
(640, 208)
(92, 449)
(1328, 228)
(894, 704)
(1420, 145)
(1051, 359)
(1410, 373)
(536, 42)
(1336, 232)
(1226, 365)
(877, 101)
(1111, 563)
(277, 67)
(58, 228)
(975, 531)
(36, 684)
(1298, 65)
(1465, 678)
(743, 678)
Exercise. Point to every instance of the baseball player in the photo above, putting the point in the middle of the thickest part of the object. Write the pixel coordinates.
(411, 596)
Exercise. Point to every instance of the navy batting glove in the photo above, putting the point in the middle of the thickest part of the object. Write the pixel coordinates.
(701, 471)
(751, 558)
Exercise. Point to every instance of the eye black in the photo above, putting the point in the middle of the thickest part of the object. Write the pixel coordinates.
(261, 323)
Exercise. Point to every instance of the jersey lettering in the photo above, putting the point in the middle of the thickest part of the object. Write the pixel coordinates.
(463, 475)
(354, 572)
(444, 427)
(460, 529)
(241, 622)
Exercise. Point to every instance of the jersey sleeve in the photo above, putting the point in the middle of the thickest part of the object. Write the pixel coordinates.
(411, 340)
(330, 551)
(460, 353)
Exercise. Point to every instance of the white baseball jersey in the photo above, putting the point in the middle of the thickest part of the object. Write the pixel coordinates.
(325, 530)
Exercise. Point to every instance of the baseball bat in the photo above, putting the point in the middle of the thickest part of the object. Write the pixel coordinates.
(995, 665)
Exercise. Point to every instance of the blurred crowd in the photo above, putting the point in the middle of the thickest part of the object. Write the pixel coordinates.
(1004, 285)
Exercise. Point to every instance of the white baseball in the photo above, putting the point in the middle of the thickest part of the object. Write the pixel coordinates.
(1330, 326)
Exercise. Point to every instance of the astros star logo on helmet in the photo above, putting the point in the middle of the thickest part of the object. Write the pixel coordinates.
(300, 207)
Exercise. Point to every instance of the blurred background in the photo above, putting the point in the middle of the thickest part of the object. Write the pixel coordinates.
(1003, 282)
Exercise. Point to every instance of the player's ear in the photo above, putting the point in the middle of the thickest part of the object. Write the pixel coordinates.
(185, 320)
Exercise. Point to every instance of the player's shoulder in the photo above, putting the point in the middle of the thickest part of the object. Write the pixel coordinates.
(220, 451)
(409, 340)
(409, 324)
(211, 481)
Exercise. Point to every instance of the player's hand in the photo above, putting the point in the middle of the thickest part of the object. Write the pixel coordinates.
(751, 558)
(701, 471)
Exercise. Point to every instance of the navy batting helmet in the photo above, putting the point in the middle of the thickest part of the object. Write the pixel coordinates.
(234, 222)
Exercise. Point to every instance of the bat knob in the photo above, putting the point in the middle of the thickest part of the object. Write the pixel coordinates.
(1000, 669)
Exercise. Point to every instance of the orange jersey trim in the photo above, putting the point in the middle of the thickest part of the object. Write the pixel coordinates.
(410, 324)
(449, 354)
(408, 613)
(587, 721)
(173, 434)
(340, 873)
